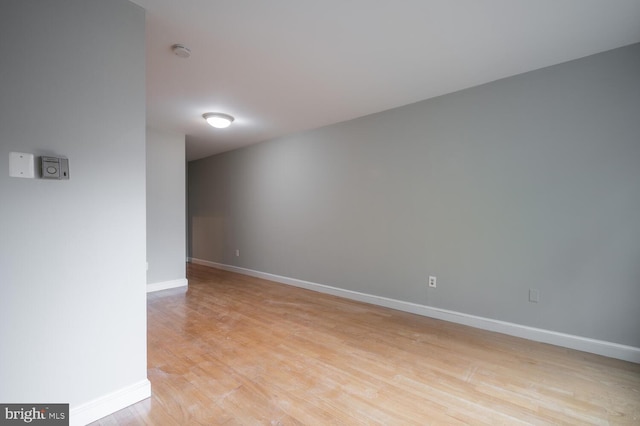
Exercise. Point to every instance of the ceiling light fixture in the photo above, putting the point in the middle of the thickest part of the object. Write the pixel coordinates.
(218, 120)
(181, 50)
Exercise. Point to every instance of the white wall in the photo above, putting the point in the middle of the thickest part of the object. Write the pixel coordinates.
(166, 237)
(528, 182)
(72, 253)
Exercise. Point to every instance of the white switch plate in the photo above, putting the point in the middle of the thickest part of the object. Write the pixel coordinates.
(21, 165)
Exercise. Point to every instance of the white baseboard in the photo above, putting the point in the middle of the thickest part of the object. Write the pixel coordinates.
(164, 285)
(599, 347)
(109, 404)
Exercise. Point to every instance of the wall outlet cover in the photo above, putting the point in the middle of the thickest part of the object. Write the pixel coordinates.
(432, 281)
(534, 295)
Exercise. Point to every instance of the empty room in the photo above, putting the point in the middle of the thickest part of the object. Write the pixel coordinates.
(287, 212)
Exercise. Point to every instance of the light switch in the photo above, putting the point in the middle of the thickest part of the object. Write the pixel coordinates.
(21, 165)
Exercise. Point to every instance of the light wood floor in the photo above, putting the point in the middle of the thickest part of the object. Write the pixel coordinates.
(240, 350)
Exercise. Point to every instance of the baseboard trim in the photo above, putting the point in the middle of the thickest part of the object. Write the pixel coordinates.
(164, 285)
(109, 404)
(599, 347)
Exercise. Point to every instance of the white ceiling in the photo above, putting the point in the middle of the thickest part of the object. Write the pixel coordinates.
(282, 66)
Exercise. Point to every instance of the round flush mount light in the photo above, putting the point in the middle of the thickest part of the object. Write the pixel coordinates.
(218, 119)
(181, 50)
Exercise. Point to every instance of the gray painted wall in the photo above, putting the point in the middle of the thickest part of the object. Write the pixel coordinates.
(72, 253)
(527, 182)
(166, 239)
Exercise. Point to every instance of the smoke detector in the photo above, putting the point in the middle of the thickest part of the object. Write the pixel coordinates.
(181, 50)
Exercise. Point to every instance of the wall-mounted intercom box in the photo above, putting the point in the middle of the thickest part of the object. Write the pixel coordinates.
(54, 167)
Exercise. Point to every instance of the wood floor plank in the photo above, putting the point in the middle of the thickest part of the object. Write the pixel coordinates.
(240, 350)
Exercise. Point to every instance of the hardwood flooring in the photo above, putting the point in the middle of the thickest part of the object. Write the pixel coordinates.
(240, 350)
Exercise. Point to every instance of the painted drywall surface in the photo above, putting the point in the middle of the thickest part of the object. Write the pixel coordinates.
(166, 199)
(72, 253)
(528, 182)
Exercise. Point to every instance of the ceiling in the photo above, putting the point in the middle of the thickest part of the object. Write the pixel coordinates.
(284, 66)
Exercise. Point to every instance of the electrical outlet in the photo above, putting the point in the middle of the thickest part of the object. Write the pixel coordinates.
(534, 295)
(432, 281)
(237, 253)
